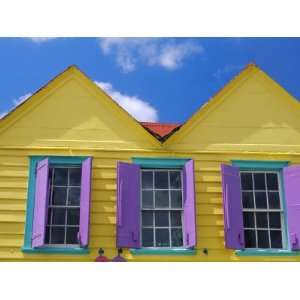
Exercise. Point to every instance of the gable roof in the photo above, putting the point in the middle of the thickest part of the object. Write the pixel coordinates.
(219, 97)
(166, 133)
(12, 116)
(161, 130)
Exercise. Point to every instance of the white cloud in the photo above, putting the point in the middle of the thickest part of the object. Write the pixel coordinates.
(16, 102)
(166, 53)
(21, 99)
(227, 69)
(40, 40)
(138, 108)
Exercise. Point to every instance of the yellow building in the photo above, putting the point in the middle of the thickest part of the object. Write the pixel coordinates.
(78, 173)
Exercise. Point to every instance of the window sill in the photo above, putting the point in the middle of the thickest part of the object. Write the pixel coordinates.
(266, 252)
(153, 251)
(50, 250)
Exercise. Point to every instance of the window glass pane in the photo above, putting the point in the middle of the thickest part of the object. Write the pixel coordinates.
(73, 216)
(161, 218)
(74, 196)
(276, 239)
(175, 218)
(162, 237)
(58, 216)
(75, 176)
(176, 199)
(248, 219)
(50, 175)
(263, 239)
(272, 181)
(275, 219)
(47, 237)
(161, 199)
(262, 220)
(59, 196)
(147, 218)
(246, 180)
(261, 199)
(147, 199)
(72, 235)
(49, 216)
(250, 239)
(248, 201)
(175, 179)
(176, 237)
(147, 180)
(274, 201)
(57, 235)
(147, 240)
(259, 181)
(60, 176)
(161, 180)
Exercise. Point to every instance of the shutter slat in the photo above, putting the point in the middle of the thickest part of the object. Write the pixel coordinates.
(85, 199)
(128, 205)
(40, 204)
(232, 204)
(291, 178)
(190, 237)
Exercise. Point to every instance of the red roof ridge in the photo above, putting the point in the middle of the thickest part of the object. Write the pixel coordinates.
(160, 130)
(161, 124)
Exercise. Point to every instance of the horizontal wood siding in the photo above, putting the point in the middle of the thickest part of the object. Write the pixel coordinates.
(14, 171)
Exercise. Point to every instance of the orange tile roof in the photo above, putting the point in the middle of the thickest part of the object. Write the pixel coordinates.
(160, 130)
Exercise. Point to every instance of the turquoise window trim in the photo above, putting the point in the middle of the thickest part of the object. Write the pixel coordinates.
(68, 160)
(171, 251)
(257, 165)
(266, 252)
(160, 162)
(57, 250)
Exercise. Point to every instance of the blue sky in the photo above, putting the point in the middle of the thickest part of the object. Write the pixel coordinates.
(165, 79)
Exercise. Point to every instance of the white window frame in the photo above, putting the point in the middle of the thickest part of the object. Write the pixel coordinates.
(267, 210)
(169, 209)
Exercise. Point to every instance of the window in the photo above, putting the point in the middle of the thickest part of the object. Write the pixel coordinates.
(156, 205)
(58, 204)
(64, 206)
(261, 207)
(161, 208)
(263, 215)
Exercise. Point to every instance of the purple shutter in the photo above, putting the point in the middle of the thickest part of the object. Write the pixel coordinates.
(85, 199)
(40, 204)
(128, 205)
(189, 238)
(291, 176)
(232, 204)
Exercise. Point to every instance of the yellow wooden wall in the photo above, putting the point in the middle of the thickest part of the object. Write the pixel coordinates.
(13, 193)
(71, 116)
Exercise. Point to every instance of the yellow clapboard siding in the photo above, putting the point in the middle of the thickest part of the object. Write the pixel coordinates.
(13, 194)
(209, 209)
(13, 182)
(12, 205)
(209, 232)
(101, 206)
(12, 216)
(107, 230)
(12, 228)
